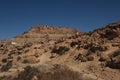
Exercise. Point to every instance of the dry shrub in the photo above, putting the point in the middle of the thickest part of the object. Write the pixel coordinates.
(113, 65)
(60, 50)
(6, 67)
(5, 77)
(56, 73)
(27, 74)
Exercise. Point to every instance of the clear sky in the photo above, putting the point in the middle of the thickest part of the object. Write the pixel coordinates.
(17, 16)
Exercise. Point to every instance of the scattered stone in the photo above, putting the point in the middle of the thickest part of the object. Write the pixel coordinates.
(91, 58)
(31, 60)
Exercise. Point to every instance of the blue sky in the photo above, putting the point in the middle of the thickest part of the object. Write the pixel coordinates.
(17, 16)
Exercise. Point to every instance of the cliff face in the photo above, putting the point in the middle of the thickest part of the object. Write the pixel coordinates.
(95, 55)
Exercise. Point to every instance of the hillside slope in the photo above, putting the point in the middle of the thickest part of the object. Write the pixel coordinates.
(95, 55)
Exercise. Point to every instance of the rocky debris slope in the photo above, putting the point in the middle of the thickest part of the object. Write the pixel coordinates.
(110, 32)
(94, 55)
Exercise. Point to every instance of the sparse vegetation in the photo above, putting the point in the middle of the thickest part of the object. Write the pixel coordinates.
(58, 73)
(4, 60)
(25, 61)
(113, 65)
(6, 67)
(5, 77)
(60, 50)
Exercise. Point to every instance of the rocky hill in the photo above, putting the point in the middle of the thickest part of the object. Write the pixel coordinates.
(45, 32)
(64, 52)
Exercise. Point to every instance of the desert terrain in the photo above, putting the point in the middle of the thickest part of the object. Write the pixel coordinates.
(58, 53)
